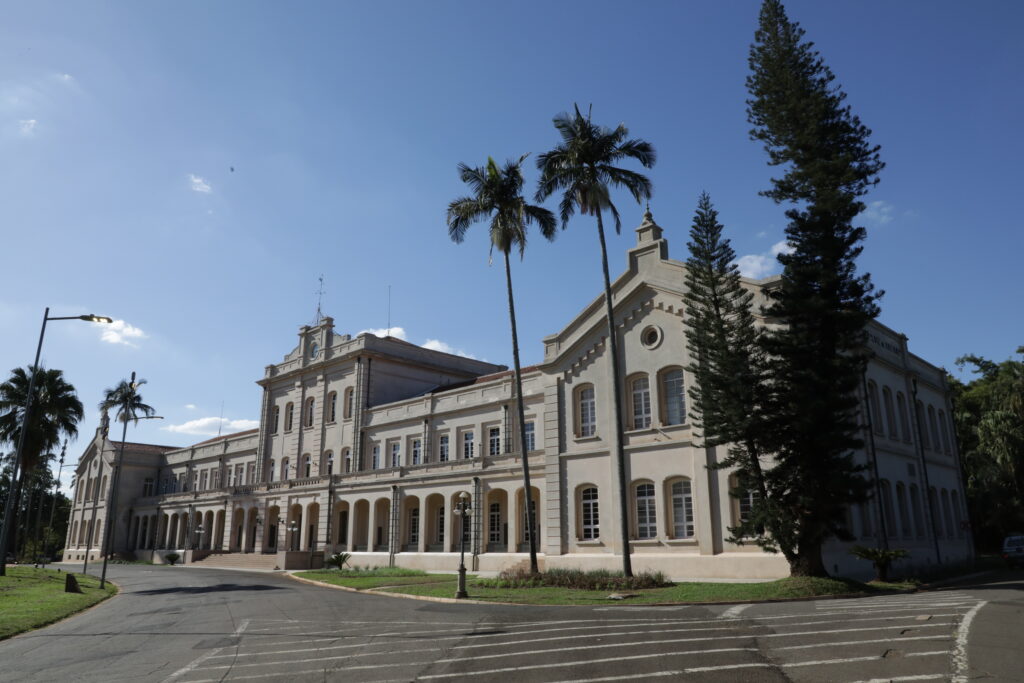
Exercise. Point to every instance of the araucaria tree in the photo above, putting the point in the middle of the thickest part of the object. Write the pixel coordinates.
(497, 194)
(729, 391)
(818, 354)
(583, 167)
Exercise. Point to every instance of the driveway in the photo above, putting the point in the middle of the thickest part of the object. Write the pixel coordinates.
(179, 624)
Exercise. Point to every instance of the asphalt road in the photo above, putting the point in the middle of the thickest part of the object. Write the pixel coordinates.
(184, 625)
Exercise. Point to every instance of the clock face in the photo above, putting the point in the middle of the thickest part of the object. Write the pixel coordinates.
(314, 350)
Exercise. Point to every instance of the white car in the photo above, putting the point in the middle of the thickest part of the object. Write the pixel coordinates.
(1013, 550)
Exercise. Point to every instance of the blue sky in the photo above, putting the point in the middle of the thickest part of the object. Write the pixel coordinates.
(120, 124)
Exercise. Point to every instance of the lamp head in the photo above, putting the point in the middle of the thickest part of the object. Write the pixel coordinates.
(464, 496)
(96, 318)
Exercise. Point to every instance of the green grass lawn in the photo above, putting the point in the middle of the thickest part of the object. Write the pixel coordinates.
(30, 598)
(413, 582)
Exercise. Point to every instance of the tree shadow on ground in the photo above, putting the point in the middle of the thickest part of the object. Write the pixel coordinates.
(216, 588)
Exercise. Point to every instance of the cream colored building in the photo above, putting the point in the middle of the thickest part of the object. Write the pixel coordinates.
(366, 443)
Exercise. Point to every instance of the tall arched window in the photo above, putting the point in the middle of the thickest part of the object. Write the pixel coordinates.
(270, 471)
(332, 406)
(590, 525)
(284, 469)
(307, 466)
(915, 506)
(289, 415)
(901, 505)
(876, 413)
(327, 466)
(640, 392)
(901, 407)
(682, 508)
(944, 432)
(646, 512)
(890, 412)
(346, 461)
(933, 428)
(347, 404)
(586, 411)
(925, 443)
(310, 411)
(275, 416)
(673, 398)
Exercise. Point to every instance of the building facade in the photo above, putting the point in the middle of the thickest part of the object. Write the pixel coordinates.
(365, 445)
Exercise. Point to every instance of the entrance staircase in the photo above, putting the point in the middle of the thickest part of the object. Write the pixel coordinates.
(239, 561)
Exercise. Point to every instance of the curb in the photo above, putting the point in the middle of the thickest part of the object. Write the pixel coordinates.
(425, 598)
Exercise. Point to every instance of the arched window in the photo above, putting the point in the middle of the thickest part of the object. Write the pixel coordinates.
(270, 471)
(933, 428)
(673, 397)
(887, 511)
(890, 413)
(944, 432)
(586, 411)
(284, 469)
(876, 413)
(347, 404)
(640, 393)
(346, 461)
(275, 416)
(915, 506)
(327, 467)
(590, 525)
(375, 456)
(901, 505)
(925, 443)
(646, 511)
(289, 415)
(310, 411)
(947, 514)
(307, 466)
(332, 406)
(682, 508)
(901, 406)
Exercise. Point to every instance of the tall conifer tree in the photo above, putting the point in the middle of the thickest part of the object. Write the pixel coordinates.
(816, 358)
(728, 366)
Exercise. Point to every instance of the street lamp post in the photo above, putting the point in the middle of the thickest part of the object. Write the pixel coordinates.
(198, 543)
(462, 508)
(293, 527)
(110, 527)
(9, 505)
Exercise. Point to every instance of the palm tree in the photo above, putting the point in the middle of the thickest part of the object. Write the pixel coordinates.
(498, 196)
(582, 166)
(54, 414)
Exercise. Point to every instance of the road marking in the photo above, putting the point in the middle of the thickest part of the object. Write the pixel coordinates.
(858, 642)
(195, 663)
(960, 650)
(894, 679)
(733, 612)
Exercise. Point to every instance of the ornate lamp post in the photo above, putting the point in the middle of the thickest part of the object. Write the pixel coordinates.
(198, 543)
(9, 505)
(293, 527)
(462, 509)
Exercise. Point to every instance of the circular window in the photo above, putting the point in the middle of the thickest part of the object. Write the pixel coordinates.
(650, 337)
(314, 351)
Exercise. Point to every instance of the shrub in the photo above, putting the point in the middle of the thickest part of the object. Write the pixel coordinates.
(172, 558)
(881, 558)
(596, 579)
(339, 560)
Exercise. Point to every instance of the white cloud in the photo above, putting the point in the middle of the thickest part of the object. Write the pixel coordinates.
(66, 78)
(120, 332)
(758, 266)
(190, 406)
(198, 184)
(396, 332)
(878, 213)
(209, 426)
(27, 127)
(438, 345)
(763, 233)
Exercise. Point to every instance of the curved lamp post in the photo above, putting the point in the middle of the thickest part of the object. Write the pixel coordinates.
(462, 508)
(9, 505)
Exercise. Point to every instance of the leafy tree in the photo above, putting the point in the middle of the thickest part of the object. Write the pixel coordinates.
(989, 423)
(583, 167)
(497, 195)
(817, 356)
(54, 415)
(729, 390)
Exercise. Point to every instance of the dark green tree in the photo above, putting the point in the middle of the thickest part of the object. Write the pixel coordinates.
(729, 391)
(583, 167)
(817, 355)
(498, 195)
(55, 414)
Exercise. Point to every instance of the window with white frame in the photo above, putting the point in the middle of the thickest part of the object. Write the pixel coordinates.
(275, 416)
(375, 457)
(307, 466)
(586, 411)
(239, 475)
(417, 451)
(590, 524)
(346, 458)
(414, 526)
(531, 441)
(673, 396)
(285, 469)
(329, 458)
(347, 403)
(494, 441)
(442, 448)
(646, 512)
(396, 454)
(202, 480)
(640, 391)
(494, 523)
(467, 444)
(270, 471)
(332, 406)
(310, 411)
(682, 509)
(215, 478)
(289, 415)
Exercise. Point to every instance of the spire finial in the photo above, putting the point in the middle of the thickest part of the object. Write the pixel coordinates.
(648, 217)
(319, 301)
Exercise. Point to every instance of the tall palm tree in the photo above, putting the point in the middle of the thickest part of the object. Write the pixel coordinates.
(582, 166)
(497, 194)
(54, 414)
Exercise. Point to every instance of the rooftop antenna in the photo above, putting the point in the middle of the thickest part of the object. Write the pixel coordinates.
(220, 423)
(319, 300)
(388, 333)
